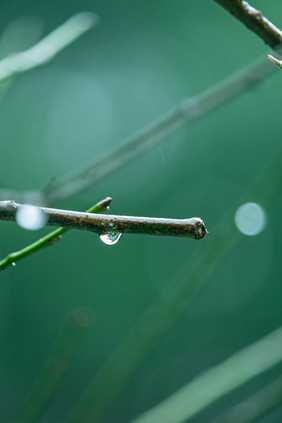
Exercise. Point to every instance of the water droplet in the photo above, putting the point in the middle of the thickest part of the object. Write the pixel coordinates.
(13, 264)
(250, 219)
(31, 217)
(110, 238)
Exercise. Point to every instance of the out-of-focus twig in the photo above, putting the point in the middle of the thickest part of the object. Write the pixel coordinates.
(186, 111)
(48, 239)
(46, 49)
(254, 20)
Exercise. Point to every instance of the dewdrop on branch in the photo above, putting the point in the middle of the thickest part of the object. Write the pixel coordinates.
(110, 238)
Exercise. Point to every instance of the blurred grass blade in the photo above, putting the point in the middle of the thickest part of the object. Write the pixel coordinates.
(218, 381)
(56, 366)
(254, 407)
(46, 49)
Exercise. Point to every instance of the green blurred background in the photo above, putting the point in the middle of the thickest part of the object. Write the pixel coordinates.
(142, 59)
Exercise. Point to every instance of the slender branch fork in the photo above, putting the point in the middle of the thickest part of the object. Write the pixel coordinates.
(102, 223)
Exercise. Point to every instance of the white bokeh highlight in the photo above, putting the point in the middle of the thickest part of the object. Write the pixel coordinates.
(31, 217)
(250, 219)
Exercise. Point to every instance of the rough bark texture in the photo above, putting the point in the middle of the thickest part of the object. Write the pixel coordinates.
(102, 223)
(254, 20)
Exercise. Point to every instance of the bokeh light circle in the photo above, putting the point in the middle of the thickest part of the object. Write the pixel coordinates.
(31, 217)
(250, 219)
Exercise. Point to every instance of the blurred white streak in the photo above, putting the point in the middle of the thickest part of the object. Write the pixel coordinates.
(49, 46)
(205, 389)
(20, 34)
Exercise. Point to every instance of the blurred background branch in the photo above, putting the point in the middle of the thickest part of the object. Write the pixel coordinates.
(47, 48)
(187, 111)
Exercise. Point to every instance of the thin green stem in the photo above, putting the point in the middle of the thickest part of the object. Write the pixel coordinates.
(48, 239)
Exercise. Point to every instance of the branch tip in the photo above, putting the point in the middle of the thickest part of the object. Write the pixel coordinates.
(275, 61)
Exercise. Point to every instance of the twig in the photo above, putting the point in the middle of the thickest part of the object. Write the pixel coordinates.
(49, 239)
(218, 381)
(49, 46)
(254, 20)
(255, 406)
(56, 366)
(101, 223)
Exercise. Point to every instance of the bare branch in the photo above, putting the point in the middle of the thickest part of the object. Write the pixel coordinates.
(102, 224)
(254, 20)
